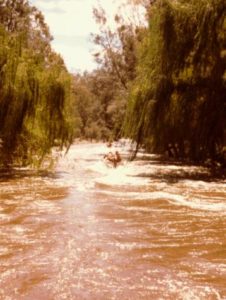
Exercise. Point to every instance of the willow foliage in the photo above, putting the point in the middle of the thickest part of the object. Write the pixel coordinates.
(35, 88)
(178, 97)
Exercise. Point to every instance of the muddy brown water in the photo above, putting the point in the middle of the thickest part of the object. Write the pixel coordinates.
(145, 230)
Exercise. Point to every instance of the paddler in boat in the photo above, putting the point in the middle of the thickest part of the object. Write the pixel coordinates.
(113, 158)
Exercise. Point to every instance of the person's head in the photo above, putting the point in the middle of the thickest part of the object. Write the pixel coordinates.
(109, 144)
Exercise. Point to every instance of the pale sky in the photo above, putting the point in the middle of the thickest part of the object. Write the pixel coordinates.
(70, 23)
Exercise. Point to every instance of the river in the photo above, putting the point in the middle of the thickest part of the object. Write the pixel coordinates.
(145, 230)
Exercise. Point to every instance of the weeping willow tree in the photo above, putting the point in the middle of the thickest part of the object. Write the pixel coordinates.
(178, 96)
(36, 102)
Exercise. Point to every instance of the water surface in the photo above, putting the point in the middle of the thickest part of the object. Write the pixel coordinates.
(145, 230)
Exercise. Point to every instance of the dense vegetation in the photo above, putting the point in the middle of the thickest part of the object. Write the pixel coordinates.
(170, 76)
(160, 81)
(105, 90)
(36, 101)
(177, 101)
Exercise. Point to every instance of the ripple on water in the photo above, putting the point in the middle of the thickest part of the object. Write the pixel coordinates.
(145, 230)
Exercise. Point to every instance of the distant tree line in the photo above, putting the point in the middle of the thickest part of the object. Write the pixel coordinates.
(104, 92)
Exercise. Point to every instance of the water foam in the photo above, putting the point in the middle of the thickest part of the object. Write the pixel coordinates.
(148, 177)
